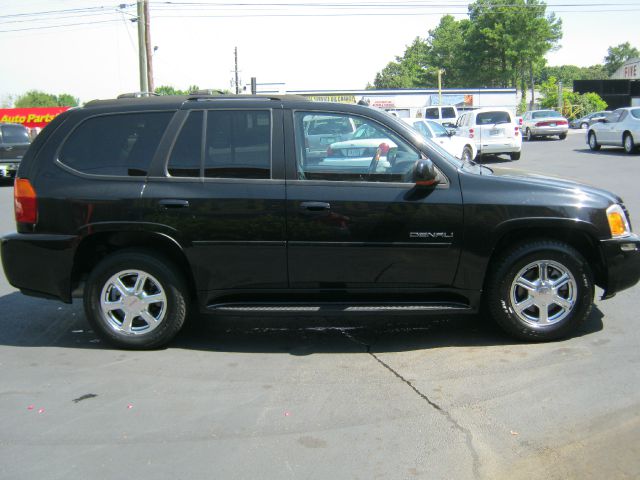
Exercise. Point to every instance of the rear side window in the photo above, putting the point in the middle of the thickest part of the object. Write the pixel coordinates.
(15, 134)
(121, 144)
(448, 112)
(490, 118)
(635, 112)
(431, 113)
(237, 144)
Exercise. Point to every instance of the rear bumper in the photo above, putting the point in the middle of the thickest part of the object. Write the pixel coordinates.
(506, 146)
(542, 131)
(39, 265)
(622, 261)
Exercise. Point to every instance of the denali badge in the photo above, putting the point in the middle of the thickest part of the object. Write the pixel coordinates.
(446, 235)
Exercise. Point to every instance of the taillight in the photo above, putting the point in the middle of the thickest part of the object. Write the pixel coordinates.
(471, 133)
(562, 122)
(520, 121)
(542, 124)
(25, 201)
(517, 131)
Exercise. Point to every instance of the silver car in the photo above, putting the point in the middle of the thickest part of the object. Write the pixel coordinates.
(620, 128)
(544, 123)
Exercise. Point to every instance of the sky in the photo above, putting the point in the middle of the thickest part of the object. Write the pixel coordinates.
(305, 44)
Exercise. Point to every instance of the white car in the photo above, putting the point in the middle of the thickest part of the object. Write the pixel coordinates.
(494, 131)
(544, 123)
(461, 147)
(620, 128)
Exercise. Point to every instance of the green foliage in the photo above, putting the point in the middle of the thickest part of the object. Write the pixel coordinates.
(496, 46)
(616, 56)
(574, 105)
(37, 98)
(568, 73)
(169, 90)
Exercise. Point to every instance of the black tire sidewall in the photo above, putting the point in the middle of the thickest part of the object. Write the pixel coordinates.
(500, 290)
(164, 272)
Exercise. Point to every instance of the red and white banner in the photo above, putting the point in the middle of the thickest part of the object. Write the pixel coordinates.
(30, 117)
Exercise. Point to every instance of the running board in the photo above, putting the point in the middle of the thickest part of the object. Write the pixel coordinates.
(326, 308)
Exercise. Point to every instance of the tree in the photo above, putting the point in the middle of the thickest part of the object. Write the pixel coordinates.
(37, 98)
(574, 105)
(446, 52)
(616, 56)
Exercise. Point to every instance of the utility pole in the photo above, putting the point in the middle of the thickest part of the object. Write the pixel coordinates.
(147, 44)
(236, 70)
(440, 72)
(142, 51)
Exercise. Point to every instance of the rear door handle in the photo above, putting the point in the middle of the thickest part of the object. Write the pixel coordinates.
(174, 203)
(315, 207)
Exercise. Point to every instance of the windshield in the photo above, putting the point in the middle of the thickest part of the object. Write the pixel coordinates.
(438, 130)
(545, 114)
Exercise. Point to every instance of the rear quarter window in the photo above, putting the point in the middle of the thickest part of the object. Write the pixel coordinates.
(636, 113)
(120, 144)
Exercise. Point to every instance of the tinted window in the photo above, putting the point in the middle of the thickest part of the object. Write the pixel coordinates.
(490, 118)
(635, 112)
(238, 144)
(186, 155)
(121, 144)
(431, 113)
(15, 134)
(384, 158)
(448, 112)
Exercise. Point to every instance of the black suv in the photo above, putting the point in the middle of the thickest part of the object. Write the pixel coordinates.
(149, 207)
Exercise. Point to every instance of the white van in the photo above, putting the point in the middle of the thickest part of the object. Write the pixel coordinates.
(442, 114)
(494, 130)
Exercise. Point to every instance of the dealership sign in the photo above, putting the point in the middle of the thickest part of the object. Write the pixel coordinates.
(30, 117)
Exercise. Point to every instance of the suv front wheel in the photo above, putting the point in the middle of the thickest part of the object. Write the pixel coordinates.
(541, 290)
(135, 300)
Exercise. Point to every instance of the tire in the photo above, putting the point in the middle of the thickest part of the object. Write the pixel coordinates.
(516, 277)
(126, 327)
(467, 154)
(515, 155)
(584, 125)
(527, 134)
(628, 143)
(562, 136)
(593, 142)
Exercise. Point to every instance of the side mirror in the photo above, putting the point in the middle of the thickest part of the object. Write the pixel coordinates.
(425, 174)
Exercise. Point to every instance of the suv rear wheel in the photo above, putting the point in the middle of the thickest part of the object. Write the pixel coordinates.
(541, 290)
(135, 300)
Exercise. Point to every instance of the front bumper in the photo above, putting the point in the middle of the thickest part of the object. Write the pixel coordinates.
(622, 263)
(38, 264)
(8, 169)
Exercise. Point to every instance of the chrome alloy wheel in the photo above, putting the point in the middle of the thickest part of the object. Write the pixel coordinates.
(133, 302)
(628, 143)
(543, 293)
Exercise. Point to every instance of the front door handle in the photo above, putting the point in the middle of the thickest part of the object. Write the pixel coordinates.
(315, 207)
(174, 203)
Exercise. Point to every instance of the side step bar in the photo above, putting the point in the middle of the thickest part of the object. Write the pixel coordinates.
(328, 308)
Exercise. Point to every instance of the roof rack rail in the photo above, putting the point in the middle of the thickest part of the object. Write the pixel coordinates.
(226, 97)
(207, 91)
(137, 95)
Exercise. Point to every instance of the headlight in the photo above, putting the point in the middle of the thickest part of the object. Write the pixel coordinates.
(618, 223)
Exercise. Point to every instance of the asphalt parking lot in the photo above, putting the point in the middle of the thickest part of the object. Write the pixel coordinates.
(317, 398)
